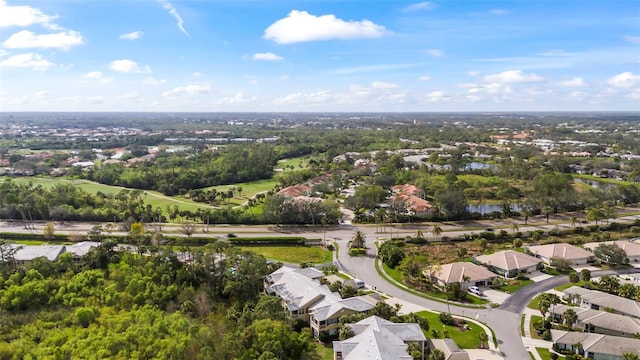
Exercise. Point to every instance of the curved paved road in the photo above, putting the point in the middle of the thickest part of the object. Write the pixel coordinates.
(504, 320)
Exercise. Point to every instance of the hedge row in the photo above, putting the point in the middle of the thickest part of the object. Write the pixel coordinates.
(267, 241)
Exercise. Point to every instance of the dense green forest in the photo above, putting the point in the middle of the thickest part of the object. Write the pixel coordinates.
(124, 306)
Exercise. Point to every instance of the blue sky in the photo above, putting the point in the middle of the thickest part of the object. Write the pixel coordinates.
(234, 55)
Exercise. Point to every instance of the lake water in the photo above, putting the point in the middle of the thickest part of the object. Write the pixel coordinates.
(595, 184)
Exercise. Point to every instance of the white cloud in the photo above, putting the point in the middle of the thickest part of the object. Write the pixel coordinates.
(154, 81)
(285, 77)
(437, 96)
(134, 35)
(473, 73)
(435, 52)
(424, 78)
(625, 80)
(22, 15)
(511, 77)
(188, 90)
(43, 94)
(196, 74)
(238, 98)
(266, 57)
(28, 60)
(300, 26)
(97, 75)
(127, 66)
(379, 85)
(575, 82)
(173, 12)
(633, 39)
(420, 6)
(26, 39)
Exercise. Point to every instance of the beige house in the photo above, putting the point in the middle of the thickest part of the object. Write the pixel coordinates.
(377, 338)
(632, 249)
(599, 322)
(307, 300)
(25, 254)
(576, 255)
(509, 263)
(595, 346)
(598, 300)
(413, 199)
(449, 348)
(463, 273)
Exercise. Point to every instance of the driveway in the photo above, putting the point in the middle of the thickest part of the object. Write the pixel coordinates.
(495, 296)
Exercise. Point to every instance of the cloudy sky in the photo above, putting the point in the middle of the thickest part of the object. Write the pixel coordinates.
(307, 55)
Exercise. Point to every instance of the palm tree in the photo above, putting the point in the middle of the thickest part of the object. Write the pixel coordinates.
(436, 230)
(419, 234)
(573, 221)
(358, 240)
(570, 317)
(514, 227)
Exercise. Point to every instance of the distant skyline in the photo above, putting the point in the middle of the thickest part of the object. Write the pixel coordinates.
(334, 56)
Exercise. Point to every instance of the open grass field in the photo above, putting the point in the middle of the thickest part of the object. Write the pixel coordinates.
(293, 254)
(466, 339)
(297, 163)
(534, 319)
(153, 198)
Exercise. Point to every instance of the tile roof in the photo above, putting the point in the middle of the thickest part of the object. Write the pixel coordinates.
(597, 343)
(509, 260)
(602, 299)
(561, 250)
(455, 272)
(630, 248)
(379, 339)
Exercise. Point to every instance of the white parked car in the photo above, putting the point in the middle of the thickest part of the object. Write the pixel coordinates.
(475, 290)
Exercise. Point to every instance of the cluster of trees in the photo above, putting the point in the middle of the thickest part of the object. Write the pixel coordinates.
(279, 209)
(122, 305)
(174, 174)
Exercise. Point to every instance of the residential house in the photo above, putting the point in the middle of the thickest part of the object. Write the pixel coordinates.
(413, 199)
(576, 255)
(295, 191)
(599, 322)
(595, 346)
(449, 348)
(509, 263)
(307, 300)
(25, 254)
(377, 338)
(463, 273)
(632, 249)
(598, 300)
(79, 250)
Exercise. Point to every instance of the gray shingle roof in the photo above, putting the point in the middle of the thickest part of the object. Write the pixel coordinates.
(28, 253)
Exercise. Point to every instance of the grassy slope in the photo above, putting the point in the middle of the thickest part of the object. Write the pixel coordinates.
(467, 339)
(290, 254)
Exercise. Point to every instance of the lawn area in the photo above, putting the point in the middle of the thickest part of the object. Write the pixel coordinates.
(466, 339)
(297, 163)
(293, 254)
(533, 304)
(322, 352)
(514, 285)
(153, 198)
(568, 285)
(545, 354)
(395, 274)
(534, 319)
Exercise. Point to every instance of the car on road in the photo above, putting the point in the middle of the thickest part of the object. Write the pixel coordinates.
(475, 290)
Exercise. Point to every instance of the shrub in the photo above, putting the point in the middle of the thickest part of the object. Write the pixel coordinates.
(546, 335)
(554, 356)
(415, 240)
(357, 251)
(488, 235)
(593, 228)
(578, 230)
(446, 318)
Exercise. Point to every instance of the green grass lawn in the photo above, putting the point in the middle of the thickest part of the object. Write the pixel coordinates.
(153, 198)
(321, 352)
(514, 285)
(568, 285)
(534, 319)
(533, 304)
(395, 274)
(293, 254)
(545, 354)
(297, 163)
(466, 339)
